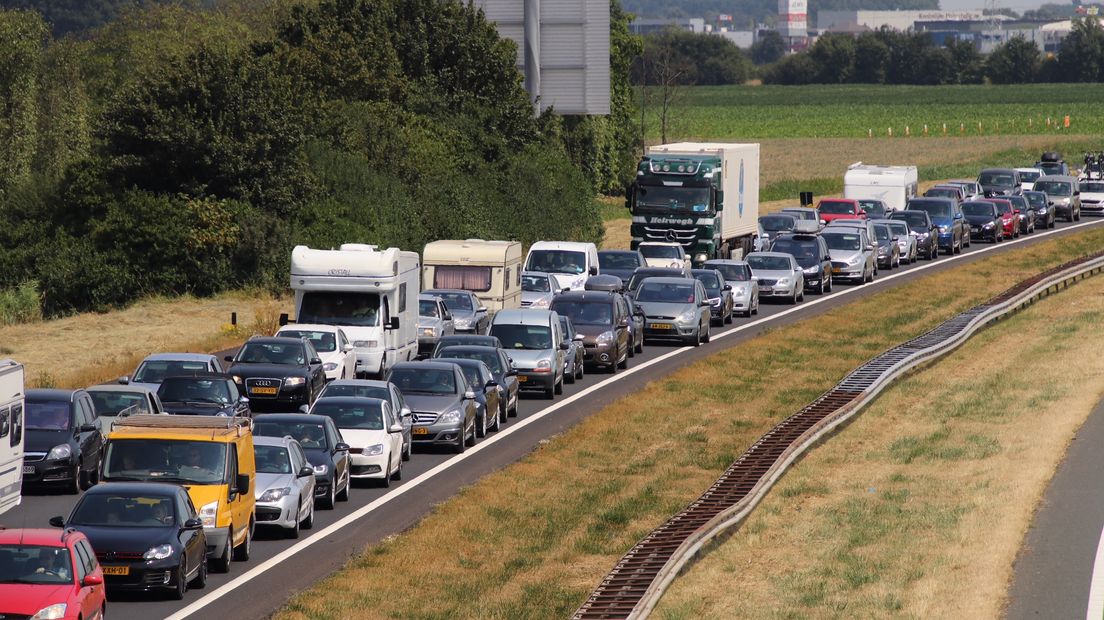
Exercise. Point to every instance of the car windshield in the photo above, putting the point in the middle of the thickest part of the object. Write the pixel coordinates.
(1018, 202)
(710, 281)
(1050, 167)
(732, 273)
(586, 312)
(194, 390)
(340, 308)
(899, 229)
(471, 373)
(942, 192)
(424, 381)
(804, 251)
(1092, 186)
(873, 208)
(1053, 188)
(119, 510)
(456, 301)
(291, 354)
(768, 263)
(1037, 199)
(490, 358)
(111, 403)
(272, 459)
(661, 251)
(35, 564)
(356, 391)
(801, 215)
(659, 198)
(666, 292)
(324, 342)
(1003, 207)
(775, 223)
(47, 415)
(977, 208)
(916, 221)
(165, 460)
(361, 416)
(532, 337)
(1030, 175)
(838, 241)
(309, 435)
(881, 232)
(639, 276)
(835, 207)
(618, 260)
(153, 371)
(556, 261)
(536, 284)
(933, 208)
(1000, 179)
(428, 308)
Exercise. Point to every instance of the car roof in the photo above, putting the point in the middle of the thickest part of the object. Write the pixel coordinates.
(436, 291)
(350, 400)
(360, 382)
(799, 209)
(429, 297)
(725, 261)
(984, 170)
(179, 357)
(656, 270)
(424, 365)
(311, 327)
(607, 252)
(771, 254)
(471, 347)
(515, 316)
(51, 537)
(1057, 177)
(50, 394)
(138, 488)
(302, 418)
(115, 387)
(269, 440)
(665, 280)
(588, 296)
(778, 214)
(200, 375)
(274, 340)
(462, 361)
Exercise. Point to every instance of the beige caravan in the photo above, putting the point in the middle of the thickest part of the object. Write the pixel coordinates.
(490, 269)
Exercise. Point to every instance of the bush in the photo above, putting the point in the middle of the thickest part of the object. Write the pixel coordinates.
(22, 304)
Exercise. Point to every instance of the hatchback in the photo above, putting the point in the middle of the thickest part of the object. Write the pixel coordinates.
(49, 574)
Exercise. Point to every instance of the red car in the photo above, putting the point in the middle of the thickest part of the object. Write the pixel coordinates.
(840, 209)
(1009, 217)
(49, 574)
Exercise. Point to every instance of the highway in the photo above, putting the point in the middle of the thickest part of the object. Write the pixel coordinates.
(279, 567)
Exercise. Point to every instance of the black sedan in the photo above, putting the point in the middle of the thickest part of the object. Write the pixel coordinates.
(984, 221)
(478, 340)
(203, 394)
(278, 374)
(147, 536)
(1044, 214)
(501, 368)
(325, 448)
(489, 396)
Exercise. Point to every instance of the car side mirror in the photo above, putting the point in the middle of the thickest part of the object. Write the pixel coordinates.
(405, 412)
(1016, 211)
(511, 373)
(395, 428)
(304, 408)
(823, 222)
(623, 322)
(727, 287)
(492, 384)
(446, 317)
(305, 472)
(94, 580)
(869, 248)
(193, 524)
(315, 361)
(228, 358)
(241, 483)
(57, 521)
(565, 346)
(579, 338)
(469, 395)
(347, 348)
(125, 379)
(704, 303)
(481, 309)
(896, 239)
(87, 428)
(341, 447)
(593, 271)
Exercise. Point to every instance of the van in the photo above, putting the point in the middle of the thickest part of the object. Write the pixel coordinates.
(490, 269)
(571, 262)
(534, 342)
(212, 456)
(893, 185)
(11, 434)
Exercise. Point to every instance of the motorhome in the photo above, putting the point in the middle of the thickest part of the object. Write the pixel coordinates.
(371, 294)
(490, 269)
(570, 262)
(893, 185)
(11, 434)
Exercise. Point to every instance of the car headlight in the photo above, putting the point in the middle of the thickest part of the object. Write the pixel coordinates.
(989, 226)
(373, 450)
(208, 513)
(543, 366)
(274, 495)
(811, 270)
(450, 417)
(429, 332)
(688, 316)
(739, 292)
(365, 344)
(329, 366)
(461, 323)
(784, 281)
(160, 552)
(321, 469)
(604, 338)
(541, 303)
(944, 229)
(715, 301)
(922, 236)
(675, 265)
(294, 381)
(53, 612)
(701, 257)
(59, 452)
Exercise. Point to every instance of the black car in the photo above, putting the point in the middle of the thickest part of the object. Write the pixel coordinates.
(476, 340)
(1000, 182)
(325, 448)
(1044, 215)
(63, 445)
(875, 210)
(984, 220)
(501, 368)
(147, 536)
(811, 252)
(927, 233)
(638, 276)
(777, 224)
(620, 263)
(490, 398)
(719, 293)
(279, 374)
(203, 394)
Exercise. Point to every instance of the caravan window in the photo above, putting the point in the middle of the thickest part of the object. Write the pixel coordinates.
(340, 308)
(402, 298)
(468, 278)
(16, 425)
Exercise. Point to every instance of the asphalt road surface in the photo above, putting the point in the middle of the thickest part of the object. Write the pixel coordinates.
(280, 567)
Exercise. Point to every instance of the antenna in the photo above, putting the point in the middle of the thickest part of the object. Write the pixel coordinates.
(991, 7)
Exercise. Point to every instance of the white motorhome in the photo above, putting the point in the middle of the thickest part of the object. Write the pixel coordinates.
(893, 185)
(371, 294)
(490, 269)
(11, 434)
(569, 261)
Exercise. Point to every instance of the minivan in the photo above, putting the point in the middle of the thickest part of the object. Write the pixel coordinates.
(571, 262)
(954, 233)
(601, 318)
(532, 340)
(1063, 193)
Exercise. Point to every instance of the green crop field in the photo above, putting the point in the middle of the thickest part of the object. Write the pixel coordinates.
(851, 111)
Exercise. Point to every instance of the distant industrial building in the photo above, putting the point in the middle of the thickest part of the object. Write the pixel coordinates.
(653, 26)
(862, 21)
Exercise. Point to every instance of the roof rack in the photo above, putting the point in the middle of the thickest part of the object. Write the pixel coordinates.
(203, 422)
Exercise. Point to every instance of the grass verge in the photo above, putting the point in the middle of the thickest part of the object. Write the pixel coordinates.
(919, 507)
(531, 540)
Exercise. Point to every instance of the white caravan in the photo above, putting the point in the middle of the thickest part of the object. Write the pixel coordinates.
(11, 434)
(893, 185)
(490, 269)
(570, 262)
(371, 294)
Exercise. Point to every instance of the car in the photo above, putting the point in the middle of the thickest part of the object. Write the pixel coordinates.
(1028, 176)
(443, 402)
(112, 400)
(984, 219)
(969, 186)
(906, 239)
(1024, 212)
(469, 315)
(944, 212)
(640, 274)
(47, 573)
(776, 224)
(874, 208)
(570, 262)
(1058, 167)
(954, 192)
(853, 224)
(804, 213)
(505, 375)
(147, 536)
(996, 182)
(535, 346)
(1044, 214)
(779, 275)
(664, 254)
(339, 360)
(285, 485)
(745, 288)
(203, 394)
(62, 445)
(156, 367)
(925, 230)
(602, 318)
(573, 361)
(373, 432)
(839, 208)
(888, 250)
(375, 388)
(636, 327)
(279, 374)
(853, 256)
(434, 321)
(537, 289)
(675, 308)
(719, 294)
(1063, 194)
(1009, 219)
(811, 254)
(1092, 196)
(324, 446)
(620, 263)
(488, 394)
(478, 340)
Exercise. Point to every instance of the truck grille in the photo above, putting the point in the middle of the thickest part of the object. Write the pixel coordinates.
(685, 236)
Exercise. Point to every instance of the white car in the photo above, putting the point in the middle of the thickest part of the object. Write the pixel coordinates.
(333, 346)
(906, 239)
(663, 254)
(1092, 196)
(1028, 176)
(373, 432)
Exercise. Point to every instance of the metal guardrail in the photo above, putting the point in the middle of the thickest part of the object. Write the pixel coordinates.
(634, 586)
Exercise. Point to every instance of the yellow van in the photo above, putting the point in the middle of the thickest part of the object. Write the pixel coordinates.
(210, 456)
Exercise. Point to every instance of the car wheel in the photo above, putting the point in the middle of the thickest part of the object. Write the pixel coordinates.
(755, 310)
(558, 388)
(385, 482)
(1077, 218)
(77, 483)
(513, 412)
(343, 494)
(461, 443)
(406, 451)
(308, 521)
(707, 335)
(727, 320)
(200, 580)
(580, 367)
(330, 500)
(242, 551)
(177, 593)
(293, 531)
(222, 563)
(471, 437)
(481, 425)
(397, 474)
(640, 345)
(1053, 223)
(505, 413)
(497, 426)
(624, 362)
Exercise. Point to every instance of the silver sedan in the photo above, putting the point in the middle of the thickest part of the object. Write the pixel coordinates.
(285, 485)
(779, 275)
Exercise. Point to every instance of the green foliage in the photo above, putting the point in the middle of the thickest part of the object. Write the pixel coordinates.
(1015, 61)
(23, 34)
(751, 12)
(20, 304)
(1081, 56)
(702, 59)
(768, 49)
(75, 16)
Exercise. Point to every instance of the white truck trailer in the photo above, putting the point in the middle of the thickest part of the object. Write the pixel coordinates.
(11, 434)
(490, 269)
(893, 185)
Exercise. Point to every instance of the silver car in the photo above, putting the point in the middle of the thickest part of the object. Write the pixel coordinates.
(434, 321)
(469, 315)
(375, 388)
(573, 357)
(443, 402)
(906, 239)
(537, 289)
(853, 255)
(779, 275)
(805, 213)
(745, 288)
(285, 484)
(674, 309)
(112, 401)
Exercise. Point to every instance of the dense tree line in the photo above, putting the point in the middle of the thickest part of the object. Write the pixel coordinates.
(682, 57)
(747, 13)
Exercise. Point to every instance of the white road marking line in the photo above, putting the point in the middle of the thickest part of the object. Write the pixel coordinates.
(1096, 588)
(363, 511)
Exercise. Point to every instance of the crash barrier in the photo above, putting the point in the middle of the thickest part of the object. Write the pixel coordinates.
(634, 586)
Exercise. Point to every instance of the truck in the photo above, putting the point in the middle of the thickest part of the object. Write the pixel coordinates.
(490, 269)
(11, 434)
(371, 294)
(893, 185)
(704, 196)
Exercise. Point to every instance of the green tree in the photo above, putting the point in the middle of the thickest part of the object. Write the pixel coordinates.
(768, 49)
(793, 70)
(1016, 61)
(703, 59)
(871, 58)
(833, 55)
(24, 35)
(1081, 55)
(966, 62)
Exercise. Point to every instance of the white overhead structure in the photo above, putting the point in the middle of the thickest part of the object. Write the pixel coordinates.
(793, 19)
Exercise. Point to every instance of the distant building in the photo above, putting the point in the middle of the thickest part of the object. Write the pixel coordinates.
(793, 22)
(862, 21)
(652, 26)
(743, 39)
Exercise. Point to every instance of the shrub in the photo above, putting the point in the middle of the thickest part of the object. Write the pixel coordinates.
(21, 304)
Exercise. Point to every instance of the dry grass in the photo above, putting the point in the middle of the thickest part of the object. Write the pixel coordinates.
(919, 507)
(90, 348)
(530, 541)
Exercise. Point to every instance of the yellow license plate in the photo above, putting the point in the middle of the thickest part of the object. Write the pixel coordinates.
(522, 378)
(420, 431)
(662, 326)
(264, 390)
(836, 269)
(116, 570)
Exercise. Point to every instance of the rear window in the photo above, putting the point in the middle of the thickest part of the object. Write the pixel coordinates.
(833, 207)
(618, 260)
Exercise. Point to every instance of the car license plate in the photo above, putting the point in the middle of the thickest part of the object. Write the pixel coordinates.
(28, 469)
(522, 378)
(837, 269)
(115, 570)
(271, 391)
(765, 289)
(418, 430)
(662, 326)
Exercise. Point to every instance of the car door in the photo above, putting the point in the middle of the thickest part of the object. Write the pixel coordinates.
(314, 368)
(240, 511)
(480, 322)
(469, 405)
(349, 355)
(394, 440)
(511, 382)
(447, 326)
(306, 483)
(85, 561)
(241, 403)
(89, 438)
(405, 415)
(494, 394)
(340, 457)
(193, 540)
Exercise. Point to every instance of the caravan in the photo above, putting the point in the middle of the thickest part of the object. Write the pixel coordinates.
(11, 434)
(371, 294)
(893, 185)
(490, 269)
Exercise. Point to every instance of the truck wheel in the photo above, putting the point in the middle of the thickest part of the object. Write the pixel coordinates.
(242, 551)
(222, 564)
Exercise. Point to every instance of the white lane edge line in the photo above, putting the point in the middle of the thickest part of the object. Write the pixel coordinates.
(1095, 610)
(363, 511)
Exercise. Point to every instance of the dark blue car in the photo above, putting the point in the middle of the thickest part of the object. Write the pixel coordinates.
(954, 232)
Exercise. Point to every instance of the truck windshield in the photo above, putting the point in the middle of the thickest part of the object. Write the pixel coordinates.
(662, 199)
(165, 460)
(556, 261)
(340, 308)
